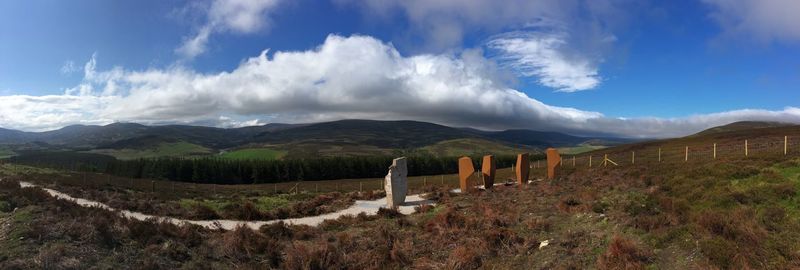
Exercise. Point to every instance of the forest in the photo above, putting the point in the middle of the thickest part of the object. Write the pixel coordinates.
(227, 171)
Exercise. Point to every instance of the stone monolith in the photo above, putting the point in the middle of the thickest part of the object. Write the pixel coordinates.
(523, 168)
(465, 172)
(396, 183)
(553, 160)
(488, 169)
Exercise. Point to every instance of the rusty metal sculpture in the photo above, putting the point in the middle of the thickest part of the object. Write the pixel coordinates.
(465, 172)
(488, 169)
(523, 168)
(553, 160)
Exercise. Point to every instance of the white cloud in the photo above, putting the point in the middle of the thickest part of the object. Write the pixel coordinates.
(345, 77)
(541, 54)
(763, 20)
(237, 16)
(560, 43)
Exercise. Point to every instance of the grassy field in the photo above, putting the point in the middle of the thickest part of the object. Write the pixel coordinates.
(254, 154)
(472, 147)
(176, 149)
(579, 149)
(5, 153)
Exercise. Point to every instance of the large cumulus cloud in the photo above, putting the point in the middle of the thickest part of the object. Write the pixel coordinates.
(344, 77)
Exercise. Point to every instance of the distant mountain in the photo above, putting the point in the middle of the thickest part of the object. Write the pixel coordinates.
(12, 136)
(301, 140)
(742, 125)
(384, 134)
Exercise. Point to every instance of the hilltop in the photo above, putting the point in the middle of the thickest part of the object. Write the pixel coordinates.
(336, 138)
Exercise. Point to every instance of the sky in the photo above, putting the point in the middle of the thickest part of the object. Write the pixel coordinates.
(604, 67)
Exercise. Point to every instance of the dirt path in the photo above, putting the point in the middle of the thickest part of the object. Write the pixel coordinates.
(367, 207)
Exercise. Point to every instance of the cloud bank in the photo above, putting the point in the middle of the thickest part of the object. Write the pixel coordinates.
(344, 77)
(764, 20)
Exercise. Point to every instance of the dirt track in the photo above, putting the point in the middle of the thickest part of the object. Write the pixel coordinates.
(367, 207)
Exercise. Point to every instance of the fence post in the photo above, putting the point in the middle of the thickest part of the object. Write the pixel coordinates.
(512, 168)
(153, 183)
(360, 187)
(275, 188)
(561, 162)
(686, 157)
(573, 161)
(424, 182)
(659, 154)
(316, 188)
(745, 147)
(785, 145)
(590, 161)
(605, 160)
(715, 150)
(633, 157)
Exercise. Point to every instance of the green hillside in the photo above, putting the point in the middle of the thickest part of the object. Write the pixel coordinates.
(254, 154)
(164, 149)
(472, 147)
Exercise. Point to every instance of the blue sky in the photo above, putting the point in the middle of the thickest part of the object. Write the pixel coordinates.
(630, 68)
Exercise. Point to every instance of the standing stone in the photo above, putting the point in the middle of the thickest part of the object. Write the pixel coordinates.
(523, 168)
(465, 172)
(553, 160)
(488, 169)
(396, 183)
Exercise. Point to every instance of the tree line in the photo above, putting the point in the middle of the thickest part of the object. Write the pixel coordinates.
(228, 171)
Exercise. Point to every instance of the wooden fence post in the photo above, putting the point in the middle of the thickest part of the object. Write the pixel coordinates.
(659, 154)
(785, 145)
(360, 187)
(316, 188)
(512, 168)
(633, 157)
(715, 150)
(686, 157)
(573, 161)
(590, 161)
(424, 181)
(745, 147)
(153, 188)
(605, 160)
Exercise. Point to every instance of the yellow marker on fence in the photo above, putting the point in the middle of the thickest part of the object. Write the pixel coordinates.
(715, 150)
(745, 147)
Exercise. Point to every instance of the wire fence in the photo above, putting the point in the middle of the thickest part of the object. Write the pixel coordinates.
(689, 151)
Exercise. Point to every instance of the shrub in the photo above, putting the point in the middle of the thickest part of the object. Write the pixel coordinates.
(623, 253)
(313, 256)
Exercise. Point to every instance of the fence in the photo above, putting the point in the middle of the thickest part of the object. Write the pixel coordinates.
(687, 150)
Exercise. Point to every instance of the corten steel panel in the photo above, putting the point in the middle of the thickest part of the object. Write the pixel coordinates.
(553, 160)
(465, 171)
(488, 169)
(523, 168)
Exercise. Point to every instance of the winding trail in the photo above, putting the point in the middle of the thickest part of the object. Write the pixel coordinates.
(367, 207)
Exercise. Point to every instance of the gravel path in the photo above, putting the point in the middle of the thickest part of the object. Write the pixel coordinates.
(367, 207)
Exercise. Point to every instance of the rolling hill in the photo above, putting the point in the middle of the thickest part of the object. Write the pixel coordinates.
(344, 137)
